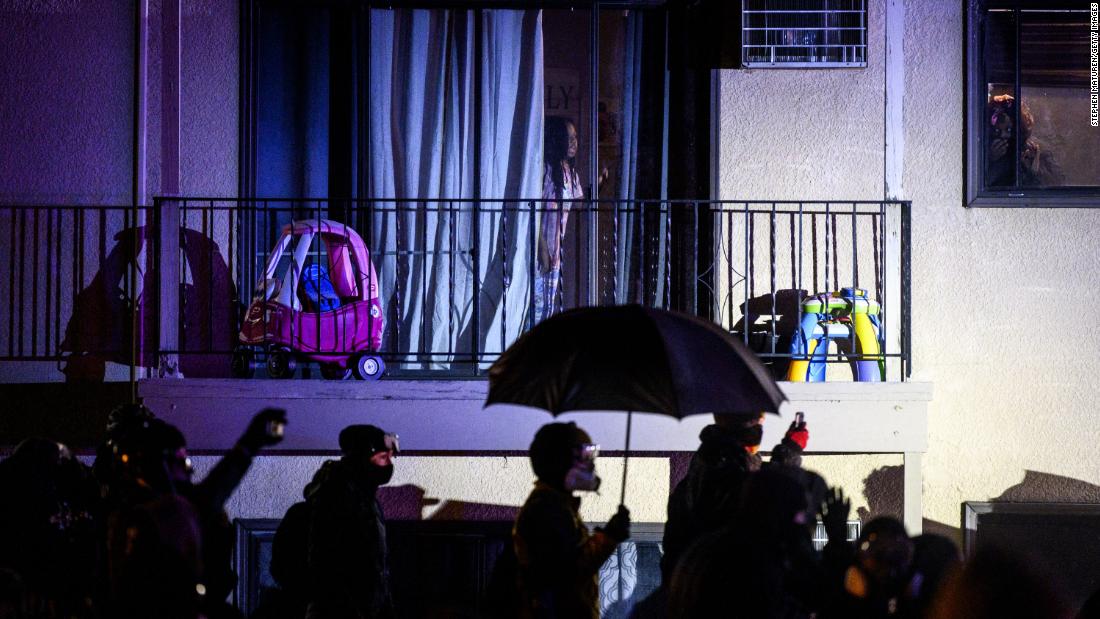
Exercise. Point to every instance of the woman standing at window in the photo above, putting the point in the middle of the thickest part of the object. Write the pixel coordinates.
(561, 185)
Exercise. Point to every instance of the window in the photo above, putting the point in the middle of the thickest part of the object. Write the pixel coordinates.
(825, 33)
(1030, 140)
(501, 164)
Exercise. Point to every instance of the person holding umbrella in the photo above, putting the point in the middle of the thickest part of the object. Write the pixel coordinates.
(558, 559)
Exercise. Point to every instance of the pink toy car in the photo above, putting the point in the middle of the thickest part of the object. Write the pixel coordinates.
(316, 300)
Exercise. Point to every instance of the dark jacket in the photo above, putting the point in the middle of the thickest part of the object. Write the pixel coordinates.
(558, 559)
(708, 496)
(137, 508)
(347, 556)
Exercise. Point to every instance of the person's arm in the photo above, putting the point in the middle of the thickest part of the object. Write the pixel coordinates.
(558, 552)
(789, 450)
(549, 229)
(264, 430)
(598, 547)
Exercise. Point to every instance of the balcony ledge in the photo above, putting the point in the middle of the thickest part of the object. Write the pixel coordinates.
(447, 415)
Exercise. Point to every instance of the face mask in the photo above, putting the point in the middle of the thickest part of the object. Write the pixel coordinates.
(379, 475)
(582, 477)
(750, 437)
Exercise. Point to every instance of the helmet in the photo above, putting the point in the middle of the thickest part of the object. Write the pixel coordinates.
(554, 449)
(145, 449)
(366, 440)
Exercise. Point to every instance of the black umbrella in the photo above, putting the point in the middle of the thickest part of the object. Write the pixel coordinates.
(632, 358)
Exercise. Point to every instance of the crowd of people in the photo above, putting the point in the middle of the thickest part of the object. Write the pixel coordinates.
(133, 536)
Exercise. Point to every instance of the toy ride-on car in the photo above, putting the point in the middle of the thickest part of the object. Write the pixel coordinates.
(317, 300)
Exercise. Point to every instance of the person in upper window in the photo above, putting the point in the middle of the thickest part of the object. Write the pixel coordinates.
(1037, 167)
(561, 186)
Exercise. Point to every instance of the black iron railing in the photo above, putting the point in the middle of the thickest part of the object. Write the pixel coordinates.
(166, 288)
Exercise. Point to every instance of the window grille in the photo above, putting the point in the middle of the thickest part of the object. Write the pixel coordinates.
(804, 33)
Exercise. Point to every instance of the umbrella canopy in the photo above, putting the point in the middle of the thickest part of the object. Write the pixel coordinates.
(632, 358)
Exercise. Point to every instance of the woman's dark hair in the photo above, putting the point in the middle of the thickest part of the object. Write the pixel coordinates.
(556, 148)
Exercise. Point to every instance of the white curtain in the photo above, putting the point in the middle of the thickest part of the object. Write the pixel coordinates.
(632, 266)
(435, 80)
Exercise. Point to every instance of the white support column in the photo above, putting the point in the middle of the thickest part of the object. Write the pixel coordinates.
(894, 126)
(912, 492)
(893, 166)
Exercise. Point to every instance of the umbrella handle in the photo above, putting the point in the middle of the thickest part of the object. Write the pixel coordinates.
(626, 452)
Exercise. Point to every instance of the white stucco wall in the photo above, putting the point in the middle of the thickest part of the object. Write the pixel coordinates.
(1002, 298)
(274, 483)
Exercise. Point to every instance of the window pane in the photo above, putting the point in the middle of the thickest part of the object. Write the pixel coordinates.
(565, 227)
(1058, 147)
(999, 59)
(1054, 146)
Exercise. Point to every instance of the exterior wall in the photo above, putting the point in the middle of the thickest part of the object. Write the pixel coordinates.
(66, 101)
(494, 487)
(450, 487)
(1001, 297)
(67, 84)
(1003, 303)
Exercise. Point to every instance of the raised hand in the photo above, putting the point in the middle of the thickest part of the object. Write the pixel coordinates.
(834, 514)
(618, 528)
(265, 430)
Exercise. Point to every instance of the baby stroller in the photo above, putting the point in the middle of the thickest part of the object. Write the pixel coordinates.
(317, 300)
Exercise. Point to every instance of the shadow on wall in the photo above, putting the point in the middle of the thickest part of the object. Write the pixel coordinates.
(100, 329)
(1039, 487)
(884, 491)
(407, 502)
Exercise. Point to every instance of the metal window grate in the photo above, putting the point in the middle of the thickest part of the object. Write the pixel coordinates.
(804, 33)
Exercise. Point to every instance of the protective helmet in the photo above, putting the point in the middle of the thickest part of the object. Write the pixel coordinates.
(143, 448)
(553, 450)
(363, 439)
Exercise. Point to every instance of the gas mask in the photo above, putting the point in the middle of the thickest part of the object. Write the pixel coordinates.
(582, 476)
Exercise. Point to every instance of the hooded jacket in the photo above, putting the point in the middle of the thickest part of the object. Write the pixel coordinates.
(346, 553)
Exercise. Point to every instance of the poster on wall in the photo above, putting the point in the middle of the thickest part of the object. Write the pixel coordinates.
(563, 94)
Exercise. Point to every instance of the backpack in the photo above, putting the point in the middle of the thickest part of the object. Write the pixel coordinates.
(290, 550)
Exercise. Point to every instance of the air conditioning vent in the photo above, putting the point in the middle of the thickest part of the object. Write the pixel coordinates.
(803, 33)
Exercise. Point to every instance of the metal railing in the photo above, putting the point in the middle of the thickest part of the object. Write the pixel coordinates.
(166, 288)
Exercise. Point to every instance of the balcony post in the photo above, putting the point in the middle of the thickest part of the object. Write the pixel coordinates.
(167, 273)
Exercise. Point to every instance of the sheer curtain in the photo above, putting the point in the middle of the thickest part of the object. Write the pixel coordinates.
(641, 250)
(456, 122)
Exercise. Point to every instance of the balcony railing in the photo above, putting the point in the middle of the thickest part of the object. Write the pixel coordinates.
(165, 289)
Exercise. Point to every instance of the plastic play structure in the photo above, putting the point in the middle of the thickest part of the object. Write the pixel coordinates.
(316, 300)
(849, 319)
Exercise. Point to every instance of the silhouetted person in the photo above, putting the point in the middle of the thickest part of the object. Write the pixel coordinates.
(935, 559)
(996, 583)
(558, 559)
(13, 595)
(707, 498)
(761, 564)
(347, 553)
(170, 543)
(47, 535)
(876, 580)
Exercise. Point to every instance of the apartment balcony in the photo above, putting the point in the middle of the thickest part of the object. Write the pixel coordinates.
(158, 298)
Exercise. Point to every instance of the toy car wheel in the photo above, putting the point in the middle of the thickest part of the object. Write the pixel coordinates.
(369, 368)
(335, 371)
(240, 366)
(280, 363)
